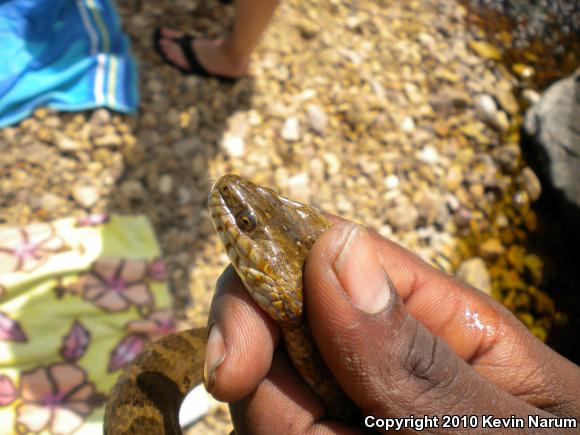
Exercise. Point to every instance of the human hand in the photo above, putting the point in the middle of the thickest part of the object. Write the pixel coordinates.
(432, 347)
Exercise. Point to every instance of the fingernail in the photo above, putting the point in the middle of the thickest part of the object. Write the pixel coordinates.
(215, 354)
(360, 273)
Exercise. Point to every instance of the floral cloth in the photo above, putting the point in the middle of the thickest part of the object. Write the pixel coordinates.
(79, 298)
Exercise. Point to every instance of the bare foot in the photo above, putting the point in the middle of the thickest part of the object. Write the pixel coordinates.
(212, 55)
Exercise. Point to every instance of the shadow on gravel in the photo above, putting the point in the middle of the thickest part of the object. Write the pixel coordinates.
(179, 130)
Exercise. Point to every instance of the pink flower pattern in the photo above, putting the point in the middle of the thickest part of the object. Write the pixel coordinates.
(10, 330)
(92, 220)
(126, 351)
(56, 398)
(75, 343)
(8, 393)
(24, 250)
(116, 284)
(157, 325)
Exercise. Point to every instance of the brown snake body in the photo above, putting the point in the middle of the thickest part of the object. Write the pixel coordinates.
(267, 238)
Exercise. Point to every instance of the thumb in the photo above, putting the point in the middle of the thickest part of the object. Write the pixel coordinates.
(386, 361)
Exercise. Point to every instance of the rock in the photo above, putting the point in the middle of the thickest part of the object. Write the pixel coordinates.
(186, 146)
(403, 215)
(277, 109)
(485, 50)
(291, 129)
(523, 71)
(508, 156)
(66, 143)
(454, 177)
(132, 189)
(154, 86)
(233, 145)
(36, 153)
(485, 107)
(449, 101)
(427, 41)
(333, 163)
(299, 187)
(184, 195)
(530, 183)
(551, 145)
(86, 195)
(491, 249)
(487, 111)
(317, 119)
(530, 96)
(408, 125)
(308, 28)
(391, 182)
(165, 184)
(429, 155)
(198, 164)
(500, 122)
(108, 140)
(506, 100)
(100, 118)
(316, 167)
(50, 202)
(431, 206)
(474, 272)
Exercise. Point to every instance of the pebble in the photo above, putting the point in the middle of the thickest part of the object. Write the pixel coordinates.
(501, 122)
(485, 106)
(233, 145)
(184, 195)
(100, 118)
(86, 195)
(491, 249)
(186, 146)
(66, 143)
(132, 189)
(299, 187)
(408, 125)
(391, 182)
(530, 96)
(474, 272)
(429, 155)
(506, 100)
(530, 183)
(317, 119)
(165, 184)
(333, 164)
(50, 202)
(431, 207)
(108, 140)
(403, 216)
(485, 50)
(508, 156)
(291, 130)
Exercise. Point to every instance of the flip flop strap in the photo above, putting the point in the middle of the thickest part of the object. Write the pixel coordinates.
(185, 44)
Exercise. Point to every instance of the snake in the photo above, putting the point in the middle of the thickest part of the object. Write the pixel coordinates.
(267, 238)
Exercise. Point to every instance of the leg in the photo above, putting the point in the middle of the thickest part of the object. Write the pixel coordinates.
(229, 57)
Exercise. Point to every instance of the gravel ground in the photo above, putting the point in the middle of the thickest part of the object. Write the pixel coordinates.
(393, 114)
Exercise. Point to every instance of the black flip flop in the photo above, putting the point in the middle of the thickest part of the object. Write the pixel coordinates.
(194, 67)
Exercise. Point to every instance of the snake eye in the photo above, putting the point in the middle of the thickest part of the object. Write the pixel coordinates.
(246, 220)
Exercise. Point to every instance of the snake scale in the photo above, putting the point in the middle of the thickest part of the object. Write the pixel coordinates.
(267, 238)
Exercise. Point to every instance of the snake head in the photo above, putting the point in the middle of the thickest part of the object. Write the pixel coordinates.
(267, 238)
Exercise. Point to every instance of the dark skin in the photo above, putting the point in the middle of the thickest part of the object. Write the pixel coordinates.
(432, 346)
